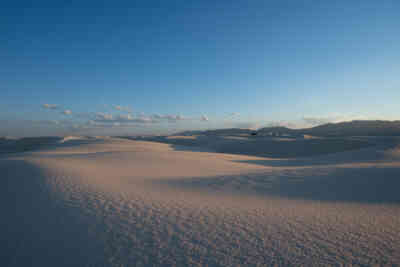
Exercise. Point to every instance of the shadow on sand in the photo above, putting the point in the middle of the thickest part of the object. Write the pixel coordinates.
(36, 229)
(266, 146)
(374, 185)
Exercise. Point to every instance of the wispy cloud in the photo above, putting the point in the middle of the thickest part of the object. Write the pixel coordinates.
(50, 106)
(169, 118)
(47, 122)
(204, 118)
(175, 118)
(317, 120)
(282, 123)
(123, 108)
(103, 116)
(333, 118)
(129, 119)
(234, 114)
(120, 119)
(247, 125)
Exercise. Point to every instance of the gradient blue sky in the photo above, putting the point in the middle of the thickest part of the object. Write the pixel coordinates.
(176, 65)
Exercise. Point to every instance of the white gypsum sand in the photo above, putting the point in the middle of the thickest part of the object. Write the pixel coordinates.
(116, 202)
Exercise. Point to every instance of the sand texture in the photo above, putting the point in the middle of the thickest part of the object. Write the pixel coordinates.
(119, 202)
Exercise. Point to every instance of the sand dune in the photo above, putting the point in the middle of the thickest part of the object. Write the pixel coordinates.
(117, 202)
(73, 138)
(274, 147)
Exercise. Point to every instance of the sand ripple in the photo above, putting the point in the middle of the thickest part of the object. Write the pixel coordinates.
(149, 206)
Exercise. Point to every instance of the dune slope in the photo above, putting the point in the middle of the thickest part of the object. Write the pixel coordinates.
(129, 203)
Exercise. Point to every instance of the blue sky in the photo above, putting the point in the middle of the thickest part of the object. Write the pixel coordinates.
(162, 66)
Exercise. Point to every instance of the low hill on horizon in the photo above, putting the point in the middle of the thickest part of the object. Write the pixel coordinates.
(340, 129)
(350, 128)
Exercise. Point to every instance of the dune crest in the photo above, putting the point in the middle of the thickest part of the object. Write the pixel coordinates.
(72, 137)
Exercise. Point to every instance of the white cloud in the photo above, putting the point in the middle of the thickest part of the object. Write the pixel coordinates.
(123, 108)
(231, 116)
(288, 124)
(144, 120)
(247, 125)
(129, 119)
(333, 118)
(204, 118)
(67, 112)
(313, 121)
(50, 106)
(121, 119)
(174, 118)
(178, 117)
(46, 122)
(170, 118)
(84, 115)
(103, 117)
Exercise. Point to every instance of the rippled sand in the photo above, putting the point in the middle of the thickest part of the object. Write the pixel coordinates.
(115, 202)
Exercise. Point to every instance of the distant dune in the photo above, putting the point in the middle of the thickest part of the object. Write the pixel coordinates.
(80, 201)
(72, 138)
(26, 144)
(267, 146)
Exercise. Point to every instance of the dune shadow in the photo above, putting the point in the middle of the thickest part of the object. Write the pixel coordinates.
(375, 185)
(27, 144)
(287, 162)
(273, 148)
(264, 146)
(36, 229)
(311, 161)
(192, 148)
(367, 185)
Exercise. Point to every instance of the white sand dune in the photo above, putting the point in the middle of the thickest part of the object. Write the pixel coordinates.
(72, 138)
(116, 202)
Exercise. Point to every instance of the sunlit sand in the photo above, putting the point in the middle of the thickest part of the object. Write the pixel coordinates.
(119, 202)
